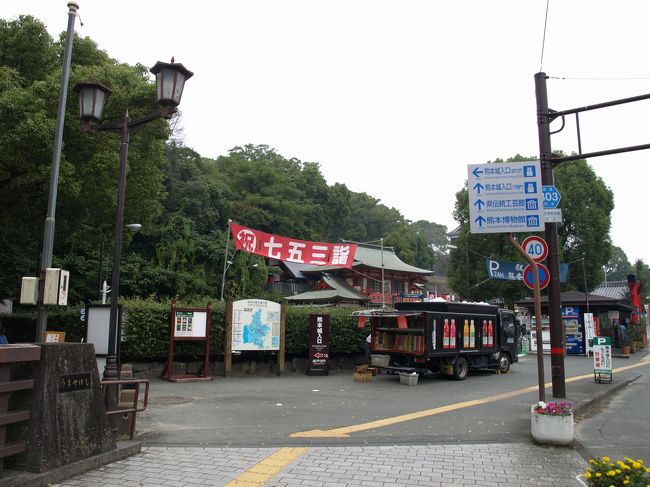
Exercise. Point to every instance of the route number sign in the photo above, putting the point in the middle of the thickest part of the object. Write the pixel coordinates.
(551, 196)
(536, 248)
(544, 276)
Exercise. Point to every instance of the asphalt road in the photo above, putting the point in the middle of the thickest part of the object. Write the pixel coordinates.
(266, 411)
(620, 427)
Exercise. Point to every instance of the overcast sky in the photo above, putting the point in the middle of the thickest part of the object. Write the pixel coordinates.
(395, 99)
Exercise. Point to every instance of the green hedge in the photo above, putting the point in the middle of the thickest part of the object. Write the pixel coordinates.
(21, 325)
(145, 329)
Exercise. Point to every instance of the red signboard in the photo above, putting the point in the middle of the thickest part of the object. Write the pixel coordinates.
(291, 249)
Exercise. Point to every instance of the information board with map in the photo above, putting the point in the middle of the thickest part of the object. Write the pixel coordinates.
(255, 325)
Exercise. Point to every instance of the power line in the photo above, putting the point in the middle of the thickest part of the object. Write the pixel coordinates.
(597, 78)
(541, 59)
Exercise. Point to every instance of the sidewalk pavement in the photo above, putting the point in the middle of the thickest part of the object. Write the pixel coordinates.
(378, 466)
(401, 455)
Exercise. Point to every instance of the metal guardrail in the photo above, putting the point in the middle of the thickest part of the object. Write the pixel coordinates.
(106, 384)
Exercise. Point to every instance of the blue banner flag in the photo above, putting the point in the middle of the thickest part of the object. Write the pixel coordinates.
(514, 271)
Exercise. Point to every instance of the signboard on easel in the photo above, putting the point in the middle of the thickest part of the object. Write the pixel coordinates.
(602, 359)
(189, 324)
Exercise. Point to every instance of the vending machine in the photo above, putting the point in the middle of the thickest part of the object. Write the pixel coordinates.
(574, 330)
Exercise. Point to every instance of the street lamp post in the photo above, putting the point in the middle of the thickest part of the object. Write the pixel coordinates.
(170, 79)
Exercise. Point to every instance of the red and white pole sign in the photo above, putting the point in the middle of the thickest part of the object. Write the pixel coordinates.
(536, 247)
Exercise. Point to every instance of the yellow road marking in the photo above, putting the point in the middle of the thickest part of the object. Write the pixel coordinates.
(261, 472)
(345, 431)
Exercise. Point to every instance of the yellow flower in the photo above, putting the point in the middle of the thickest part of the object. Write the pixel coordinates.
(605, 459)
(587, 474)
(618, 470)
(625, 482)
(636, 465)
(598, 474)
(647, 470)
(611, 473)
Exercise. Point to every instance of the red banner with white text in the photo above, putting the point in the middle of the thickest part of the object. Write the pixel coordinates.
(291, 249)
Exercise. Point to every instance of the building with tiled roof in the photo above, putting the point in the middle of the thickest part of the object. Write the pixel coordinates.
(362, 283)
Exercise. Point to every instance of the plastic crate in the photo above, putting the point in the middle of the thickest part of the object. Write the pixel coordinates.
(408, 379)
(379, 360)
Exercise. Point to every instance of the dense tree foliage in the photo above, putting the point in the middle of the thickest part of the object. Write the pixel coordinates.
(29, 90)
(586, 207)
(182, 200)
(618, 267)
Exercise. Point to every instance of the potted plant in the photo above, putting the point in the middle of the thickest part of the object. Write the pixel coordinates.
(552, 423)
(635, 332)
(626, 345)
(605, 472)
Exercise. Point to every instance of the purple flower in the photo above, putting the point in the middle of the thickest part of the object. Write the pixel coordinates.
(553, 408)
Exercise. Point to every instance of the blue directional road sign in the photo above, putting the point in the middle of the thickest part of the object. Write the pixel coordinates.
(505, 197)
(551, 196)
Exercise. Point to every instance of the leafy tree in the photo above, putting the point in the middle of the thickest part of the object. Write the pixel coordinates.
(87, 184)
(182, 200)
(26, 47)
(618, 267)
(436, 236)
(587, 204)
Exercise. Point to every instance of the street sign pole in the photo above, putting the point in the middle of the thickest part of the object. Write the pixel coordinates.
(538, 317)
(550, 232)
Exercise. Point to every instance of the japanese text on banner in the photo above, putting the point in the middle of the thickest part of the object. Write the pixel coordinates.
(291, 249)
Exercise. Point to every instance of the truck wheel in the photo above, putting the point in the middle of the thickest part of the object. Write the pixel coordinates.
(504, 363)
(460, 368)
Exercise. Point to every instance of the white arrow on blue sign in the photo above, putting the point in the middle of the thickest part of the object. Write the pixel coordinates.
(505, 197)
(551, 196)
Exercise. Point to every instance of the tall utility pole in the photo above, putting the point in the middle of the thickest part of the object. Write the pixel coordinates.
(547, 161)
(48, 231)
(550, 234)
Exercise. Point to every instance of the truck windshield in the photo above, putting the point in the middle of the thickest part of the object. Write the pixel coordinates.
(508, 324)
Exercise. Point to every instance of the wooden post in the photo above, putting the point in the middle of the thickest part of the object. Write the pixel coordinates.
(227, 348)
(208, 327)
(170, 358)
(283, 318)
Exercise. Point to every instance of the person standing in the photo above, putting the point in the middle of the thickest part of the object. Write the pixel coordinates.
(3, 337)
(368, 342)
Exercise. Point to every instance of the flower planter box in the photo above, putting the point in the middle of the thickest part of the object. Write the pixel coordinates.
(550, 429)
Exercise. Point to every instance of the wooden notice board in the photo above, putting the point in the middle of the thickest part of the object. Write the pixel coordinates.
(189, 324)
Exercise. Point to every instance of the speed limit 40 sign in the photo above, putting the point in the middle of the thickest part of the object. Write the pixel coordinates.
(536, 247)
